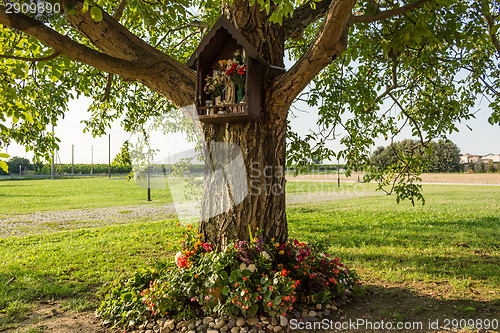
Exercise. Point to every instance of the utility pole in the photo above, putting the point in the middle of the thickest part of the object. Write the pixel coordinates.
(149, 174)
(52, 163)
(338, 172)
(92, 159)
(72, 159)
(109, 156)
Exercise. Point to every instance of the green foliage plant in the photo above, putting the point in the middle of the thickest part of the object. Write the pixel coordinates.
(245, 278)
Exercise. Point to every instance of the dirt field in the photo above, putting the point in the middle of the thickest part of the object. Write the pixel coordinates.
(443, 178)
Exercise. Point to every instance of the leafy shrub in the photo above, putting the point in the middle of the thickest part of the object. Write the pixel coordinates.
(247, 278)
(122, 304)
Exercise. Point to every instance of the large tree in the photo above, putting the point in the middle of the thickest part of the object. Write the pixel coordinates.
(371, 66)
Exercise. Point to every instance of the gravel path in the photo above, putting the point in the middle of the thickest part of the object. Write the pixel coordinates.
(52, 221)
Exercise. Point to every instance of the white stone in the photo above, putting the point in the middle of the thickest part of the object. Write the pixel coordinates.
(253, 321)
(169, 324)
(283, 321)
(219, 324)
(240, 321)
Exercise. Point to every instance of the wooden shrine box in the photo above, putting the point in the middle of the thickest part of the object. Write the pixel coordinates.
(219, 44)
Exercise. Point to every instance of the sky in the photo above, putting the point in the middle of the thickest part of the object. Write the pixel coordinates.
(483, 139)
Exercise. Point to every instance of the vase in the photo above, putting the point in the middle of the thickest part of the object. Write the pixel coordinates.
(240, 93)
(218, 100)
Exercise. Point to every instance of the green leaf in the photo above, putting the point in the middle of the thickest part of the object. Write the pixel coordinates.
(96, 13)
(28, 117)
(252, 311)
(4, 155)
(85, 7)
(4, 166)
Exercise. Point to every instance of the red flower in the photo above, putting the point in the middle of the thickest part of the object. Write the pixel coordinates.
(232, 70)
(242, 70)
(180, 260)
(207, 247)
(283, 272)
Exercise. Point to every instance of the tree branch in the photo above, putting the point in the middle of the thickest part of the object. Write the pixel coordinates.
(107, 90)
(49, 57)
(119, 10)
(330, 42)
(387, 13)
(64, 45)
(167, 76)
(494, 39)
(303, 16)
(388, 89)
(415, 123)
(148, 65)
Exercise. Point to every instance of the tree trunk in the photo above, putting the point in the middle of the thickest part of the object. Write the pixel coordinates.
(262, 145)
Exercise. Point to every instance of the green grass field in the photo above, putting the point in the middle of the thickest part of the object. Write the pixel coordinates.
(28, 196)
(452, 241)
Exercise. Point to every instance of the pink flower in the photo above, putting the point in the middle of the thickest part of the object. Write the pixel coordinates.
(180, 260)
(207, 247)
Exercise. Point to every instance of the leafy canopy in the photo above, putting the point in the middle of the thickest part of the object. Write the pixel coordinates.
(424, 69)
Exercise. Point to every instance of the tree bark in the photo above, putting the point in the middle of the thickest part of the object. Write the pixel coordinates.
(262, 145)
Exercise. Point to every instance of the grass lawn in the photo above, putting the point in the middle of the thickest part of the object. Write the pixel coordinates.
(450, 246)
(28, 196)
(453, 238)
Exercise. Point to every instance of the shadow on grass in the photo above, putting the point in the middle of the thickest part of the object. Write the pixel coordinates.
(423, 313)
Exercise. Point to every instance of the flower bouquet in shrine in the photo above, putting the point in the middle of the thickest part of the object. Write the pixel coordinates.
(214, 86)
(237, 72)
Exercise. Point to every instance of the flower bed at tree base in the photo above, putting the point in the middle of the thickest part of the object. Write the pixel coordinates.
(251, 279)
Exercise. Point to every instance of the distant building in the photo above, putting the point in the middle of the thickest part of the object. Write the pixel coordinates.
(468, 161)
(492, 157)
